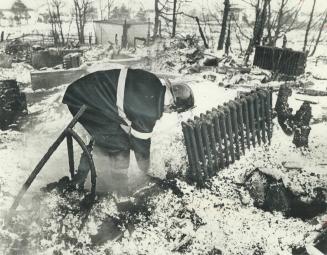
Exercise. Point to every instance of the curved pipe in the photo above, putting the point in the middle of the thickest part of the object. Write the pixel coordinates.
(79, 140)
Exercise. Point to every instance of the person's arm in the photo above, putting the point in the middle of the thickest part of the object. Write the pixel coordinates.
(141, 134)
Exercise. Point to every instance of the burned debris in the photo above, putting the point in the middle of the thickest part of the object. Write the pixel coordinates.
(283, 61)
(12, 104)
(270, 194)
(297, 124)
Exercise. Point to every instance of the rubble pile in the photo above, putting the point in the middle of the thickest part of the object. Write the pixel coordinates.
(271, 194)
(298, 124)
(12, 103)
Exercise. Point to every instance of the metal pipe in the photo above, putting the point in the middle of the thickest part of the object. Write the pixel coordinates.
(70, 149)
(229, 132)
(250, 100)
(232, 108)
(79, 140)
(269, 114)
(190, 174)
(240, 121)
(246, 120)
(222, 125)
(199, 141)
(257, 116)
(213, 142)
(263, 102)
(221, 138)
(198, 175)
(45, 159)
(206, 143)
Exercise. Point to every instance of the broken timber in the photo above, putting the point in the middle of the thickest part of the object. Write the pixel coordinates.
(221, 136)
(70, 134)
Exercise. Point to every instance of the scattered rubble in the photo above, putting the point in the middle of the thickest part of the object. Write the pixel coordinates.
(270, 194)
(298, 124)
(12, 104)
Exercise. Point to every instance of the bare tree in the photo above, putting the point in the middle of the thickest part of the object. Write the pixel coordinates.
(110, 4)
(307, 31)
(169, 11)
(200, 29)
(228, 40)
(224, 25)
(261, 7)
(82, 11)
(57, 6)
(156, 18)
(283, 21)
(319, 34)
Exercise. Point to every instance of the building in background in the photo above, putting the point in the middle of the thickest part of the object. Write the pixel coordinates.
(112, 31)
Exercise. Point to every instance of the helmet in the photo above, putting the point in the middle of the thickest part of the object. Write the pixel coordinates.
(183, 97)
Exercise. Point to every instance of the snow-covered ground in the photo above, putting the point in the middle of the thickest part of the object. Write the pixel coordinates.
(221, 217)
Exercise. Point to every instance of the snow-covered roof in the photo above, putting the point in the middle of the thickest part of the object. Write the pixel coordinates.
(121, 22)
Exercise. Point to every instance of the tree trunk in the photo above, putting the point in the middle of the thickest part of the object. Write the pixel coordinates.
(309, 26)
(109, 8)
(156, 19)
(262, 22)
(201, 33)
(319, 35)
(174, 19)
(224, 25)
(228, 41)
(279, 22)
(60, 25)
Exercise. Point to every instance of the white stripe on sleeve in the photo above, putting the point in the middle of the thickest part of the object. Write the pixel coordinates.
(121, 94)
(140, 135)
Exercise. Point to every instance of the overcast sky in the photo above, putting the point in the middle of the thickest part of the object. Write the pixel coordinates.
(307, 4)
(149, 4)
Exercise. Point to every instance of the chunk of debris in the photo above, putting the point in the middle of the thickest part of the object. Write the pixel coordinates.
(313, 92)
(5, 60)
(12, 103)
(211, 61)
(215, 251)
(298, 124)
(270, 194)
(301, 122)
